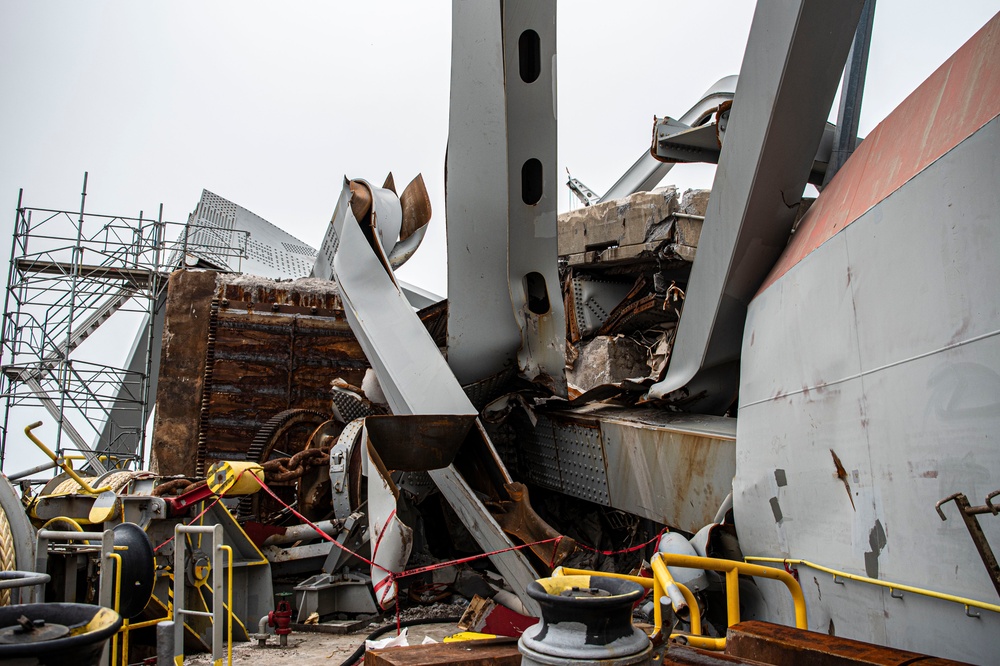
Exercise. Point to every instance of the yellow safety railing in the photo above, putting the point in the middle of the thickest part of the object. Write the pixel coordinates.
(662, 582)
(733, 569)
(117, 604)
(229, 605)
(62, 520)
(893, 587)
(61, 462)
(105, 458)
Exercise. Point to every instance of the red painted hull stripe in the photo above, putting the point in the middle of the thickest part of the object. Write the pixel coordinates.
(950, 106)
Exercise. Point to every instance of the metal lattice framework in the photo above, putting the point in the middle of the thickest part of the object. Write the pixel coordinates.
(71, 271)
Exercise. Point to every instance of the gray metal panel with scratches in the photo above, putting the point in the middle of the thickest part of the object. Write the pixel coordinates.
(896, 323)
(529, 29)
(675, 469)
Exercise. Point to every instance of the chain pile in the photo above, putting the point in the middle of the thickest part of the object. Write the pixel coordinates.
(279, 470)
(282, 470)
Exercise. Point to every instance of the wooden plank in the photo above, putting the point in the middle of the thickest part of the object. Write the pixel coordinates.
(493, 651)
(778, 644)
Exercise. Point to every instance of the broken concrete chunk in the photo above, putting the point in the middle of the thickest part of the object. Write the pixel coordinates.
(695, 202)
(608, 360)
(629, 221)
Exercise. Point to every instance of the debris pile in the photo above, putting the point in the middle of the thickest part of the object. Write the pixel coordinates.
(625, 267)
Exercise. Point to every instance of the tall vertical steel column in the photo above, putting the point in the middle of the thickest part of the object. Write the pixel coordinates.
(505, 302)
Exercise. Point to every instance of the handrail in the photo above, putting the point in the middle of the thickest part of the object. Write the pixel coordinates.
(883, 583)
(117, 603)
(73, 525)
(61, 463)
(662, 579)
(229, 605)
(215, 533)
(733, 568)
(14, 579)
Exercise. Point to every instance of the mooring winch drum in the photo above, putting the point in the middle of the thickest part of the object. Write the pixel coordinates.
(585, 619)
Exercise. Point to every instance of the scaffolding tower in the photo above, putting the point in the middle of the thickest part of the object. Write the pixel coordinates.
(69, 273)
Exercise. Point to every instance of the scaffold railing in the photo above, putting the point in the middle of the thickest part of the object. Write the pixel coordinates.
(69, 273)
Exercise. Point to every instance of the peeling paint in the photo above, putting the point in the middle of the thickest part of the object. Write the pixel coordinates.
(842, 475)
(877, 541)
(776, 509)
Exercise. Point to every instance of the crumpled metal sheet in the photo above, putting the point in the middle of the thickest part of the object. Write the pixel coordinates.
(412, 373)
(394, 444)
(391, 539)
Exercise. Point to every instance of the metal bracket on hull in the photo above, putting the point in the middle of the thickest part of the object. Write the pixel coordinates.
(969, 514)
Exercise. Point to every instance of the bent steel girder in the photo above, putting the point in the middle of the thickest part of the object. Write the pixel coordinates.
(412, 373)
(505, 303)
(647, 170)
(416, 215)
(792, 65)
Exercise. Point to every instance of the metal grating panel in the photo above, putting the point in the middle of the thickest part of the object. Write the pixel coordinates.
(234, 238)
(567, 457)
(581, 462)
(539, 457)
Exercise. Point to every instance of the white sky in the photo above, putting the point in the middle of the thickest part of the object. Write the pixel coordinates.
(271, 104)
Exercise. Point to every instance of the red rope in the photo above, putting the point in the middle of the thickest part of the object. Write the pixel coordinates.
(319, 531)
(394, 576)
(203, 512)
(631, 549)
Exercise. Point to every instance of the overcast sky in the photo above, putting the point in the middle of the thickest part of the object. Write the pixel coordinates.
(270, 104)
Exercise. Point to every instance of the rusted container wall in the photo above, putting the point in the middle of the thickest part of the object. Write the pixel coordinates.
(236, 351)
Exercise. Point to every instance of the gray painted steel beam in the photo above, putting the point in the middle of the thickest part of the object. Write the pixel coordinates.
(414, 376)
(647, 170)
(791, 68)
(483, 336)
(505, 303)
(852, 91)
(529, 33)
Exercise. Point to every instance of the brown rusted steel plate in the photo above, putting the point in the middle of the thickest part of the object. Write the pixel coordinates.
(416, 205)
(418, 442)
(238, 350)
(518, 517)
(680, 655)
(493, 651)
(182, 370)
(271, 346)
(781, 645)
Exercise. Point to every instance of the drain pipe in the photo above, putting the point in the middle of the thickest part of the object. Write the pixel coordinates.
(261, 634)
